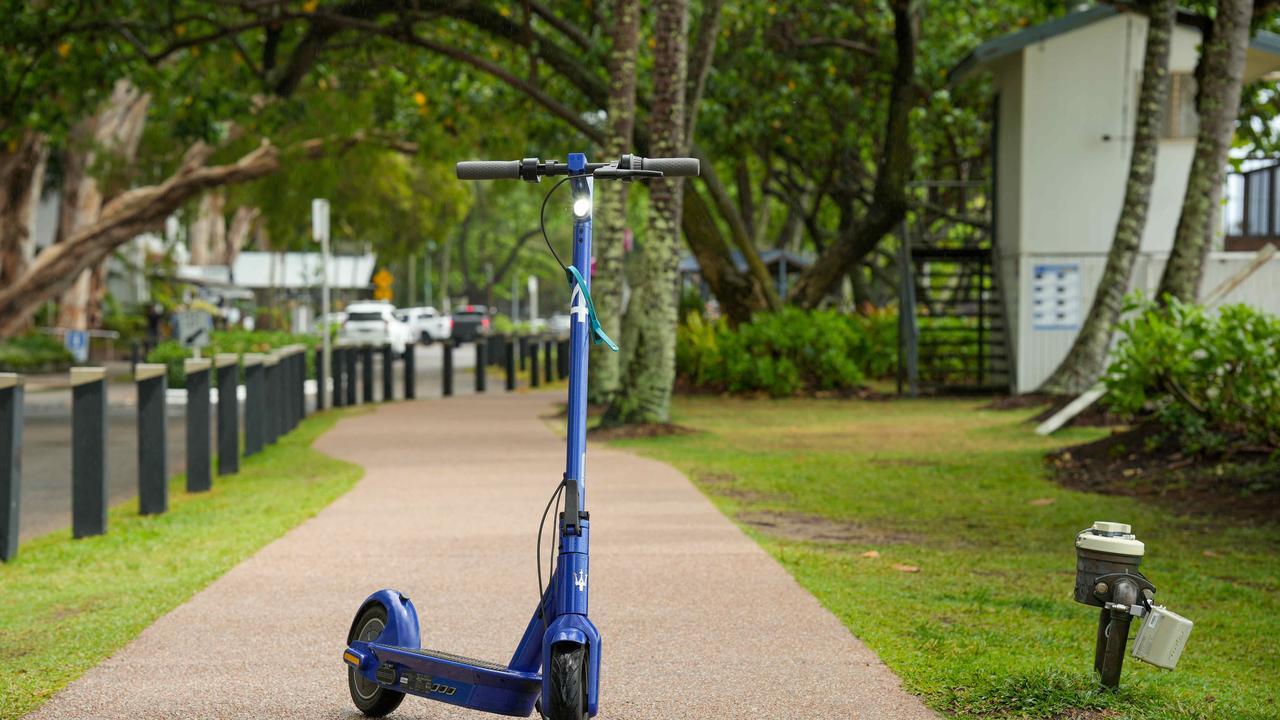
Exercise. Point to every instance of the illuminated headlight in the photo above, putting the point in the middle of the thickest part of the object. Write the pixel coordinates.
(582, 207)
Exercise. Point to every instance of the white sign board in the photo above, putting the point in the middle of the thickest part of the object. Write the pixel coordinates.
(1056, 297)
(77, 343)
(192, 328)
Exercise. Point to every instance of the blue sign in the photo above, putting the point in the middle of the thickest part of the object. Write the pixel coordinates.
(77, 343)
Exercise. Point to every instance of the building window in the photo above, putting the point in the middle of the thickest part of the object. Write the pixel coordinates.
(1180, 117)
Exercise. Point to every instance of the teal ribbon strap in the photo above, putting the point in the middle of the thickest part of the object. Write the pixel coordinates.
(597, 333)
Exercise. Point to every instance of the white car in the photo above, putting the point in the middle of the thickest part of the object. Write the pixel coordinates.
(559, 325)
(426, 324)
(374, 323)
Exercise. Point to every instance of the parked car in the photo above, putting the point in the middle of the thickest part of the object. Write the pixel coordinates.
(469, 323)
(426, 324)
(559, 325)
(374, 323)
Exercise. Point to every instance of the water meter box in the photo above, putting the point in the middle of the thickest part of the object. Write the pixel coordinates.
(1104, 549)
(1161, 638)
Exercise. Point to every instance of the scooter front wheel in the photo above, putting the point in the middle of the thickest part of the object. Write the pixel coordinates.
(370, 698)
(568, 676)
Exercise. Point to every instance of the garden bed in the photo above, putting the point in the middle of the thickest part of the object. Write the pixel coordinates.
(1141, 463)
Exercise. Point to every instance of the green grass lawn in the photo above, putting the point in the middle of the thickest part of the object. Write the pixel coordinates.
(65, 604)
(986, 627)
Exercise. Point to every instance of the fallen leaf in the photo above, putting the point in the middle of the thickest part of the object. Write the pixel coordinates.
(1041, 502)
(905, 568)
(871, 554)
(1210, 553)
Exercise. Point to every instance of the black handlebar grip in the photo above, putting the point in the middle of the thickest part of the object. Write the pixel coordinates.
(673, 167)
(489, 170)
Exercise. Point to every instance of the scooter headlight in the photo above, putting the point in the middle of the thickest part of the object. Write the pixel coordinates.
(581, 206)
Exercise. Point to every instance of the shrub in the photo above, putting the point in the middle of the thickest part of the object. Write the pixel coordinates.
(786, 352)
(236, 341)
(1211, 381)
(34, 353)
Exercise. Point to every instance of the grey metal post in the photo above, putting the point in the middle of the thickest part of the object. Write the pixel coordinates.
(446, 377)
(88, 451)
(535, 371)
(511, 364)
(271, 394)
(366, 372)
(228, 370)
(481, 363)
(255, 404)
(351, 375)
(152, 382)
(410, 373)
(388, 373)
(199, 458)
(11, 392)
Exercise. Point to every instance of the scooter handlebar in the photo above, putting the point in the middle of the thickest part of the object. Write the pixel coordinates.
(489, 170)
(672, 167)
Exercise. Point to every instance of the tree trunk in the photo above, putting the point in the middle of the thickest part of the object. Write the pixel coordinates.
(610, 222)
(741, 237)
(207, 236)
(242, 224)
(1219, 76)
(1087, 359)
(115, 130)
(130, 214)
(739, 297)
(21, 175)
(889, 198)
(649, 327)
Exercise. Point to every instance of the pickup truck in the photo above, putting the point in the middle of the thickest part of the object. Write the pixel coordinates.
(469, 323)
(426, 324)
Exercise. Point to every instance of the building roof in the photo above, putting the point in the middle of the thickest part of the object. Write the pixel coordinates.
(1006, 45)
(267, 270)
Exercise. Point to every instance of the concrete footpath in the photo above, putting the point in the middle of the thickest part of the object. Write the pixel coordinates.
(698, 621)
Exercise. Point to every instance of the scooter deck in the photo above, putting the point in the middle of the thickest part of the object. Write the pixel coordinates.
(456, 679)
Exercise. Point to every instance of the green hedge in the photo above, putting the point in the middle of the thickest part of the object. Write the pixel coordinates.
(788, 352)
(239, 342)
(34, 353)
(1211, 380)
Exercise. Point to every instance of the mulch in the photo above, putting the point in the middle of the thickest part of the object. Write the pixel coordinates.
(1141, 462)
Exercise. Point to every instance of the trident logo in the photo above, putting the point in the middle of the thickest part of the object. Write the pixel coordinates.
(580, 580)
(578, 304)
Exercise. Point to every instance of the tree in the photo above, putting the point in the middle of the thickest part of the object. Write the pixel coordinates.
(1219, 78)
(610, 220)
(649, 327)
(1087, 358)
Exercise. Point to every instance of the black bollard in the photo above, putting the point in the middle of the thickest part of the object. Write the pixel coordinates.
(351, 375)
(366, 372)
(481, 364)
(562, 358)
(88, 451)
(300, 384)
(152, 383)
(524, 350)
(388, 374)
(535, 371)
(548, 362)
(446, 375)
(511, 364)
(289, 410)
(228, 369)
(271, 393)
(410, 376)
(11, 392)
(322, 373)
(199, 464)
(337, 358)
(255, 404)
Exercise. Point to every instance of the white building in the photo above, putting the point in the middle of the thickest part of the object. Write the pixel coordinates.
(1065, 105)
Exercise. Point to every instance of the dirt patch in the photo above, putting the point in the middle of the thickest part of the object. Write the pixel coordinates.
(1141, 463)
(594, 410)
(815, 528)
(726, 485)
(1096, 415)
(639, 430)
(1020, 402)
(684, 387)
(902, 462)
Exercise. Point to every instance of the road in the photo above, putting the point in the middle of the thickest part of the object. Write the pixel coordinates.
(46, 452)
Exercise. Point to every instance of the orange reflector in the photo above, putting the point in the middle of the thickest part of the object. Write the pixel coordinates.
(352, 659)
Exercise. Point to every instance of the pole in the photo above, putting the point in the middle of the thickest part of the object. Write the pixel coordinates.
(426, 274)
(255, 405)
(227, 369)
(88, 451)
(320, 228)
(515, 297)
(198, 461)
(11, 392)
(153, 463)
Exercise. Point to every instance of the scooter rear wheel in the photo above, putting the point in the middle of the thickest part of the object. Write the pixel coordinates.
(568, 675)
(370, 698)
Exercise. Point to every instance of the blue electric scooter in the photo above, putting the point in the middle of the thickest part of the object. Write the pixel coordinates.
(556, 666)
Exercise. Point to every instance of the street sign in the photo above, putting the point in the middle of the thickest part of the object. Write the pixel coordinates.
(77, 343)
(382, 284)
(192, 328)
